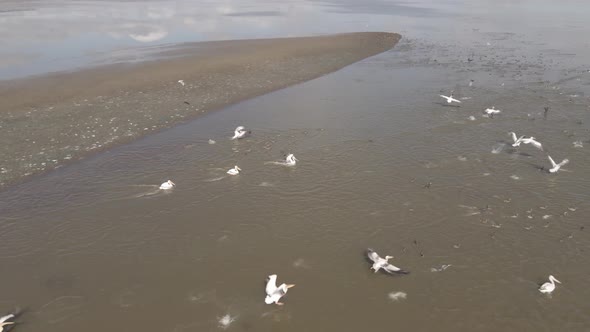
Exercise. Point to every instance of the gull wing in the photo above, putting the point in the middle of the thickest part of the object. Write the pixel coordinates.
(514, 137)
(444, 96)
(373, 255)
(536, 144)
(5, 318)
(271, 286)
(455, 100)
(390, 268)
(553, 164)
(563, 162)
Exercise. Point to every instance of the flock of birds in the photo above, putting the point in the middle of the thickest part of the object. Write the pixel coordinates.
(274, 293)
(548, 287)
(239, 133)
(490, 112)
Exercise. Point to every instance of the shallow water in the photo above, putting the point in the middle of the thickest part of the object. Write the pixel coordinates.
(383, 164)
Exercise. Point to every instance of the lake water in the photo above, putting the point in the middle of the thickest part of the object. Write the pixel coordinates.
(384, 163)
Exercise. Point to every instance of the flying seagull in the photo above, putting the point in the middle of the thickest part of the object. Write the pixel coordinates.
(549, 286)
(450, 99)
(274, 293)
(167, 185)
(555, 167)
(382, 263)
(516, 140)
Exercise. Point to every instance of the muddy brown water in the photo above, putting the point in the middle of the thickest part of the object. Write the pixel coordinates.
(88, 247)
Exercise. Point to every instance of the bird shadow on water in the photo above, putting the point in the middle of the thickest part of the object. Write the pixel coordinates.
(446, 105)
(540, 168)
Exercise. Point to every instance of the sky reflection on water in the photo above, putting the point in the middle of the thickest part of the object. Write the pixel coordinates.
(42, 36)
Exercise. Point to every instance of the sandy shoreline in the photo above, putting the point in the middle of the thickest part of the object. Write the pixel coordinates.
(51, 120)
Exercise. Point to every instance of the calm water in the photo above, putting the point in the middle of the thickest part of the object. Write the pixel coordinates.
(84, 244)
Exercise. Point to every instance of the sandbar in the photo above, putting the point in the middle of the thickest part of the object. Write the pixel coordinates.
(51, 120)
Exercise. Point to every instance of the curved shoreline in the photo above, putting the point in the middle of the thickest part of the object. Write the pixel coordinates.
(51, 120)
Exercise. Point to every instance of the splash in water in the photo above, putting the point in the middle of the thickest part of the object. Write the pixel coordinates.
(498, 148)
(226, 320)
(441, 268)
(396, 296)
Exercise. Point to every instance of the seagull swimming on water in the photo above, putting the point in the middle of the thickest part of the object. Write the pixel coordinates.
(491, 111)
(234, 171)
(4, 321)
(274, 293)
(382, 263)
(291, 160)
(240, 132)
(549, 286)
(450, 99)
(167, 185)
(555, 167)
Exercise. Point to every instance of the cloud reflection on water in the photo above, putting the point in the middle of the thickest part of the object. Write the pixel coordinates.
(41, 36)
(58, 34)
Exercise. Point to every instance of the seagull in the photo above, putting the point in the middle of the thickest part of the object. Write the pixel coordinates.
(531, 140)
(181, 82)
(549, 287)
(291, 160)
(234, 171)
(167, 185)
(274, 293)
(555, 167)
(3, 321)
(491, 111)
(381, 263)
(450, 99)
(240, 132)
(517, 141)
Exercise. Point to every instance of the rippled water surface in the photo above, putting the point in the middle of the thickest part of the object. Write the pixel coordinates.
(384, 163)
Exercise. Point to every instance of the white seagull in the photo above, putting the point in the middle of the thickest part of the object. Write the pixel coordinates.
(549, 287)
(516, 140)
(4, 321)
(240, 132)
(234, 171)
(291, 160)
(181, 82)
(531, 140)
(555, 167)
(274, 293)
(381, 263)
(450, 99)
(167, 185)
(491, 111)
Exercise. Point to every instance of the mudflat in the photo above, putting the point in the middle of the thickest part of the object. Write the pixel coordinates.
(50, 120)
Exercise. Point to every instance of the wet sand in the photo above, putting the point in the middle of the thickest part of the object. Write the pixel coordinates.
(51, 120)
